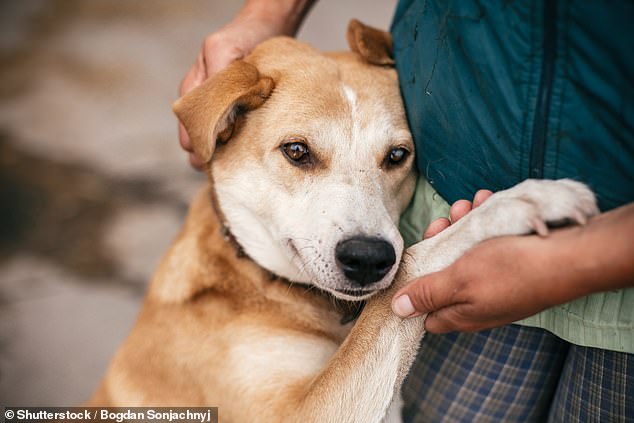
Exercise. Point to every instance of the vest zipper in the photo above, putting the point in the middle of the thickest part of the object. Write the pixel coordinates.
(540, 124)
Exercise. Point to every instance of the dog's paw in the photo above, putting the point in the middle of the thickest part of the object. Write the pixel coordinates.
(534, 205)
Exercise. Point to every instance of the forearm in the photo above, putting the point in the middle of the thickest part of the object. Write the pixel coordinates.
(592, 258)
(285, 16)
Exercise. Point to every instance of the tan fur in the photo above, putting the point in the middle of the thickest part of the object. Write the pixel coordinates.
(238, 86)
(373, 45)
(216, 329)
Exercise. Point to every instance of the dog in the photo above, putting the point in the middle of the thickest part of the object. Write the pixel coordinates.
(310, 163)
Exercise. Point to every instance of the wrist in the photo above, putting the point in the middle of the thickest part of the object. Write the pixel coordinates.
(552, 266)
(600, 250)
(280, 17)
(568, 276)
(587, 259)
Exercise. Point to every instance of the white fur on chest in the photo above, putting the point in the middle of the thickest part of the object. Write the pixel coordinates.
(269, 361)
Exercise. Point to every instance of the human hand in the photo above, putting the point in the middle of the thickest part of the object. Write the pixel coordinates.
(458, 210)
(257, 21)
(497, 282)
(472, 295)
(505, 279)
(466, 295)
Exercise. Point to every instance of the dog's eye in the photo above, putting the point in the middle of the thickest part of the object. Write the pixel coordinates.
(296, 152)
(396, 156)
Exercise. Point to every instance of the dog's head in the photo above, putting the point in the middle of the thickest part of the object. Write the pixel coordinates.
(312, 159)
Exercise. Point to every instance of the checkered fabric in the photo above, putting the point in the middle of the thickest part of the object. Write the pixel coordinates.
(515, 374)
(595, 386)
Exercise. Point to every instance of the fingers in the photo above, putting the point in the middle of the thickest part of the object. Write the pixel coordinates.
(481, 196)
(443, 313)
(424, 295)
(459, 209)
(214, 56)
(439, 296)
(200, 68)
(195, 162)
(183, 139)
(218, 51)
(194, 78)
(186, 144)
(436, 227)
(447, 320)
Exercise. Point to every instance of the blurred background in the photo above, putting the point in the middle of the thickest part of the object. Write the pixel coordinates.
(93, 183)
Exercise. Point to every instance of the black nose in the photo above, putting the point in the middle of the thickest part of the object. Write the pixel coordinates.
(365, 260)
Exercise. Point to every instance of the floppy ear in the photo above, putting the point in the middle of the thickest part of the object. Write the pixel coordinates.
(209, 111)
(374, 45)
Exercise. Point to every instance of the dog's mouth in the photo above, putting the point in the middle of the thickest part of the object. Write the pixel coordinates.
(355, 293)
(334, 277)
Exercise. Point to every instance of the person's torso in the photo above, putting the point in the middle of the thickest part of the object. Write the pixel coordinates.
(497, 92)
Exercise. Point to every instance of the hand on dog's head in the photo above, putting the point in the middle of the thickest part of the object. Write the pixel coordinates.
(209, 111)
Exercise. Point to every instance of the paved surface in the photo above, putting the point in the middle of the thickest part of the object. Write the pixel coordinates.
(93, 185)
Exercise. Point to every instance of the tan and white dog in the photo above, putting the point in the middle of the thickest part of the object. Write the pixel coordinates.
(310, 162)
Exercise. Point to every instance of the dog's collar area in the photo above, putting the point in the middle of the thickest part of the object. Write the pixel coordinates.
(228, 236)
(240, 253)
(230, 239)
(349, 310)
(224, 227)
(353, 312)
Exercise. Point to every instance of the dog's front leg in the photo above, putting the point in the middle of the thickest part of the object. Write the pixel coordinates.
(361, 379)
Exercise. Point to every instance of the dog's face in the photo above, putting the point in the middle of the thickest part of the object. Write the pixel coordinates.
(313, 178)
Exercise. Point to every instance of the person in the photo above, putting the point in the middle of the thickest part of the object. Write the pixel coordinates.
(520, 328)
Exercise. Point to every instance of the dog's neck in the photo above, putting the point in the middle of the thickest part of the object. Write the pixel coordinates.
(225, 230)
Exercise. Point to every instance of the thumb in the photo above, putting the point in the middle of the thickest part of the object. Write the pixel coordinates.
(424, 295)
(220, 54)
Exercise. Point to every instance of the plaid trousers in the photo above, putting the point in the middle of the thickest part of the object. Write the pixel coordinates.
(517, 374)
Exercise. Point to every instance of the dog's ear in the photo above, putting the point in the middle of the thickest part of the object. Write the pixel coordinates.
(208, 112)
(374, 45)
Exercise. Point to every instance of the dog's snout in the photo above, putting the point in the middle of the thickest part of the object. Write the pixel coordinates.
(365, 260)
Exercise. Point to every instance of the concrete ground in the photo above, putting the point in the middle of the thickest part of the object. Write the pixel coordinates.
(93, 184)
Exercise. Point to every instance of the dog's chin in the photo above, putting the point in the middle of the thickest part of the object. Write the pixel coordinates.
(347, 293)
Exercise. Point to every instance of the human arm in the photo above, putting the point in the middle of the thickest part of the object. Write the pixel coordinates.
(256, 21)
(509, 278)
